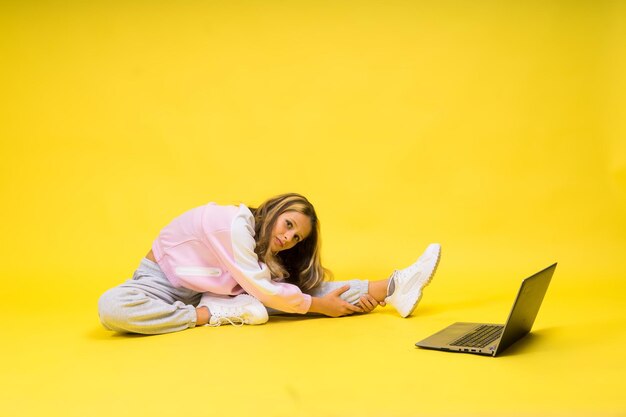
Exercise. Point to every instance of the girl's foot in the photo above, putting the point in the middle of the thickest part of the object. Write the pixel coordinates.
(239, 310)
(406, 285)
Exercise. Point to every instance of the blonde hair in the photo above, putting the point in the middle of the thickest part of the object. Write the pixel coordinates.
(301, 265)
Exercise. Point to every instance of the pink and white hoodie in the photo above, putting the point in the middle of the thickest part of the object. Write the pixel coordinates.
(211, 249)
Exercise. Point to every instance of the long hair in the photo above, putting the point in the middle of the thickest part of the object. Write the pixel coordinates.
(301, 265)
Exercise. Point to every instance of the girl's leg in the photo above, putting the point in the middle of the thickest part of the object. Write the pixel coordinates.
(129, 310)
(358, 288)
(379, 289)
(403, 289)
(409, 282)
(148, 304)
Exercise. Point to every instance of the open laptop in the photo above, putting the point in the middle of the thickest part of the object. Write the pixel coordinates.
(492, 339)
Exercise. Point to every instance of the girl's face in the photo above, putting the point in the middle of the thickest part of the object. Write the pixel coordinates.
(291, 228)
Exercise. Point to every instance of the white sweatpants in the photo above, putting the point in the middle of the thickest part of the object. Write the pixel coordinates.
(149, 304)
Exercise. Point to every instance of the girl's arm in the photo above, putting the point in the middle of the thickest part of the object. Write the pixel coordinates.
(235, 248)
(333, 305)
(254, 277)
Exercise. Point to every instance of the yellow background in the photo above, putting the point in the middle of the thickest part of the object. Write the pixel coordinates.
(496, 128)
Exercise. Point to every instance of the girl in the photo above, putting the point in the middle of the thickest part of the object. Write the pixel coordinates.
(227, 264)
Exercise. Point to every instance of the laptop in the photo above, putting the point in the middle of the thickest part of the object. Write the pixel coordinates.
(492, 339)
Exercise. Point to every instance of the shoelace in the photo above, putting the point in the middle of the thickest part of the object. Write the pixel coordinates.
(226, 317)
(230, 320)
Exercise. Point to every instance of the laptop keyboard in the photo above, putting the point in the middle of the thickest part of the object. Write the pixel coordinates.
(480, 337)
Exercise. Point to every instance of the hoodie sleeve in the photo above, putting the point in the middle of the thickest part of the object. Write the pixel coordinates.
(254, 276)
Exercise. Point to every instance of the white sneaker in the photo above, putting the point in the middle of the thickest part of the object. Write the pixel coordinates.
(406, 285)
(239, 310)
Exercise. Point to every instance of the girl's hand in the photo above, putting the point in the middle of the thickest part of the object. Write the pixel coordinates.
(333, 305)
(368, 303)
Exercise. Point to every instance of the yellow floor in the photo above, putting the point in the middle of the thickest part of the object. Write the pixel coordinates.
(58, 361)
(495, 127)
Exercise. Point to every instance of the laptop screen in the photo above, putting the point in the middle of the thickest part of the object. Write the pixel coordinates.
(526, 307)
